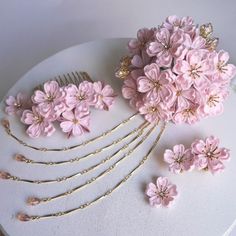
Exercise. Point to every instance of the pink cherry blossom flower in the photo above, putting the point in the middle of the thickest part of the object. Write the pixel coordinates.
(179, 159)
(129, 91)
(198, 42)
(16, 105)
(84, 93)
(194, 70)
(138, 62)
(51, 100)
(154, 111)
(38, 124)
(162, 193)
(188, 115)
(174, 23)
(208, 155)
(155, 83)
(223, 70)
(104, 96)
(143, 36)
(182, 97)
(76, 122)
(213, 100)
(167, 46)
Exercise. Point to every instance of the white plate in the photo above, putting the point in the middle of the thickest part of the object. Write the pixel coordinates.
(206, 204)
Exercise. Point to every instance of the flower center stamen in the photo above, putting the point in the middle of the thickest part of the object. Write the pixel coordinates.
(221, 67)
(17, 105)
(195, 71)
(75, 121)
(213, 100)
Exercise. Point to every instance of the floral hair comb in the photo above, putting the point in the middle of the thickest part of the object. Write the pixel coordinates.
(65, 101)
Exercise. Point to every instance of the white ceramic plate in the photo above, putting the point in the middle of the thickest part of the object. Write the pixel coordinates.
(206, 204)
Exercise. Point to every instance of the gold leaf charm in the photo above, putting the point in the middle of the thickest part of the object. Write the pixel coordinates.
(123, 71)
(206, 30)
(212, 43)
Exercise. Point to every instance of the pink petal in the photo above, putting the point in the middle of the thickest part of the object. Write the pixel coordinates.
(68, 115)
(66, 126)
(77, 130)
(34, 131)
(51, 87)
(10, 101)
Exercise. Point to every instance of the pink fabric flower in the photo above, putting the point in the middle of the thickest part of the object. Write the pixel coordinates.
(155, 83)
(213, 100)
(167, 46)
(194, 70)
(182, 97)
(162, 193)
(83, 94)
(208, 155)
(154, 111)
(223, 70)
(188, 115)
(175, 23)
(179, 159)
(38, 124)
(16, 105)
(51, 100)
(104, 96)
(129, 91)
(143, 36)
(138, 62)
(76, 122)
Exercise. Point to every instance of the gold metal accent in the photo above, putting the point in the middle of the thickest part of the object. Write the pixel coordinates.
(108, 192)
(69, 78)
(123, 71)
(102, 174)
(206, 31)
(85, 171)
(26, 160)
(6, 125)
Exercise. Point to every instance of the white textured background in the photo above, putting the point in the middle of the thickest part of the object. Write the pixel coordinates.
(31, 30)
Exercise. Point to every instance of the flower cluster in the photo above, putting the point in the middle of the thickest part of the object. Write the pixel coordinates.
(69, 105)
(174, 72)
(203, 155)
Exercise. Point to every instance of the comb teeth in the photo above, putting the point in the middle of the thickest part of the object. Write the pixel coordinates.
(69, 78)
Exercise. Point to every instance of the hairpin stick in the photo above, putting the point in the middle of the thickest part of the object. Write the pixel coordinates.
(82, 172)
(22, 158)
(25, 217)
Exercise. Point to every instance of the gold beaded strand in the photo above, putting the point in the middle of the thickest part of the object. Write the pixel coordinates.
(82, 172)
(26, 160)
(35, 201)
(25, 217)
(6, 125)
